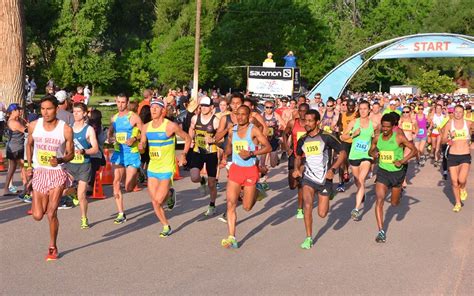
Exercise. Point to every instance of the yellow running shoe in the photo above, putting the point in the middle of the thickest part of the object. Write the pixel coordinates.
(457, 208)
(229, 242)
(463, 193)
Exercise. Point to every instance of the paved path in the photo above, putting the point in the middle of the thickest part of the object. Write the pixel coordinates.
(429, 249)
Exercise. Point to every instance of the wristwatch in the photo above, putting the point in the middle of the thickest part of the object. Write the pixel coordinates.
(251, 154)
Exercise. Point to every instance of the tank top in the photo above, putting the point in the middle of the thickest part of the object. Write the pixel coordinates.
(437, 120)
(162, 148)
(422, 123)
(389, 151)
(239, 144)
(326, 123)
(272, 125)
(200, 132)
(460, 134)
(361, 144)
(296, 133)
(80, 142)
(123, 131)
(346, 119)
(48, 144)
(16, 140)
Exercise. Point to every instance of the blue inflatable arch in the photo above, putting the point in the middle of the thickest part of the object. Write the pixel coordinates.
(429, 45)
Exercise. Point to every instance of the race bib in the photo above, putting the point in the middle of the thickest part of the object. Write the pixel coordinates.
(45, 156)
(121, 138)
(361, 145)
(421, 131)
(271, 132)
(460, 135)
(407, 126)
(312, 148)
(201, 139)
(387, 156)
(155, 153)
(299, 135)
(239, 146)
(327, 129)
(78, 158)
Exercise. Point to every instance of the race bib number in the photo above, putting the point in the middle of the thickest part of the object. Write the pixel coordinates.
(387, 156)
(299, 135)
(421, 131)
(239, 146)
(362, 146)
(271, 132)
(155, 153)
(312, 148)
(201, 139)
(78, 158)
(121, 138)
(407, 126)
(45, 156)
(460, 135)
(327, 129)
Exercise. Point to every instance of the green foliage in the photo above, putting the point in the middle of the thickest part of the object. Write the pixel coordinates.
(433, 82)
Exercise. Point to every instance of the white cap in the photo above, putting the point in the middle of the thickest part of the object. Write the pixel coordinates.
(393, 102)
(204, 100)
(61, 96)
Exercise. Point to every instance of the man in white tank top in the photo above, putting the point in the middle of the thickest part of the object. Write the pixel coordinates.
(50, 145)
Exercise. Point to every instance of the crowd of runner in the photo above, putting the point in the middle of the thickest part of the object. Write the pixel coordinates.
(347, 141)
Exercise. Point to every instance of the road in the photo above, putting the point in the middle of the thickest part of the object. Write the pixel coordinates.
(429, 249)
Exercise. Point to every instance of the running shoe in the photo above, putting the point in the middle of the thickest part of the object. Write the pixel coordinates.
(457, 208)
(355, 215)
(166, 231)
(265, 186)
(307, 243)
(218, 186)
(52, 254)
(463, 193)
(340, 187)
(121, 218)
(75, 199)
(223, 218)
(27, 198)
(65, 203)
(13, 189)
(171, 201)
(445, 175)
(29, 212)
(21, 196)
(211, 211)
(428, 148)
(381, 238)
(299, 214)
(84, 223)
(229, 242)
(260, 192)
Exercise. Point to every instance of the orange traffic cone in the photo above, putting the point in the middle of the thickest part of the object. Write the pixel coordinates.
(2, 166)
(107, 172)
(176, 176)
(98, 192)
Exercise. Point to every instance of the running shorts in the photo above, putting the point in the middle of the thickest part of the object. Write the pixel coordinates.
(46, 179)
(325, 189)
(126, 159)
(80, 172)
(210, 159)
(160, 176)
(455, 159)
(391, 179)
(15, 155)
(275, 143)
(244, 176)
(357, 162)
(346, 147)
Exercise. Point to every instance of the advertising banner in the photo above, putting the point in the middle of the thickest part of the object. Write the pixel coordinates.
(272, 81)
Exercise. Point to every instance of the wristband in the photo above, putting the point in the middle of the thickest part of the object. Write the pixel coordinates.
(251, 154)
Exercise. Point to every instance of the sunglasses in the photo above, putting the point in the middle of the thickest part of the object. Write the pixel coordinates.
(406, 112)
(268, 107)
(421, 108)
(329, 106)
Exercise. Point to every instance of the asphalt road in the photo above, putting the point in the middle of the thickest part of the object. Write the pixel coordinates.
(429, 249)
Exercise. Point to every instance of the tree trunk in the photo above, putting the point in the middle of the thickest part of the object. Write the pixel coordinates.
(12, 52)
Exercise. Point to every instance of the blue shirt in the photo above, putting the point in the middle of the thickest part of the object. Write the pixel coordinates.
(290, 61)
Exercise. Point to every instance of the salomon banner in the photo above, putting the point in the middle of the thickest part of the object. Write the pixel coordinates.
(271, 81)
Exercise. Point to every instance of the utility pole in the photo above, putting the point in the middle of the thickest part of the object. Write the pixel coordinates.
(197, 39)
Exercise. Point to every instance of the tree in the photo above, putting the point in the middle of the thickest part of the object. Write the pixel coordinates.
(433, 82)
(12, 52)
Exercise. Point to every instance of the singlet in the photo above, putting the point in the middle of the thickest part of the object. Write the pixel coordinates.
(326, 122)
(296, 133)
(200, 132)
(162, 148)
(422, 124)
(437, 121)
(123, 131)
(346, 119)
(16, 140)
(48, 144)
(80, 142)
(272, 125)
(361, 144)
(470, 117)
(239, 144)
(389, 151)
(316, 150)
(460, 134)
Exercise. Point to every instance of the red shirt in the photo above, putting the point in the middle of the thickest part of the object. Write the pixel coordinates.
(78, 98)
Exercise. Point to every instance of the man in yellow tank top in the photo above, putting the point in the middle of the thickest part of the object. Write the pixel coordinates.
(346, 117)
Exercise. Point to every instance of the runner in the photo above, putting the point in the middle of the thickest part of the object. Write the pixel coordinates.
(436, 119)
(126, 157)
(421, 136)
(160, 134)
(202, 131)
(295, 130)
(344, 120)
(255, 118)
(457, 136)
(317, 175)
(50, 145)
(85, 144)
(360, 130)
(391, 168)
(243, 171)
(409, 126)
(15, 129)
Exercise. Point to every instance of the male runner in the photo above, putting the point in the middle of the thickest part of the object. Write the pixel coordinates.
(202, 130)
(50, 145)
(160, 135)
(317, 175)
(243, 139)
(344, 120)
(391, 168)
(126, 126)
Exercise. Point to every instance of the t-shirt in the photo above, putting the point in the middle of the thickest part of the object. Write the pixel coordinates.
(290, 61)
(145, 102)
(65, 116)
(316, 150)
(78, 98)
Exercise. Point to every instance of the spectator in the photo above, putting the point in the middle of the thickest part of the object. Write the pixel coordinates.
(269, 58)
(79, 97)
(98, 159)
(87, 94)
(147, 96)
(2, 120)
(290, 60)
(32, 92)
(62, 113)
(133, 106)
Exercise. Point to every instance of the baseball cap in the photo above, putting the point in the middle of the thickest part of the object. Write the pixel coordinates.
(157, 102)
(269, 53)
(205, 101)
(61, 96)
(392, 102)
(13, 107)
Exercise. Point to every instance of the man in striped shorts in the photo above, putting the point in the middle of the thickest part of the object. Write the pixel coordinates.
(50, 145)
